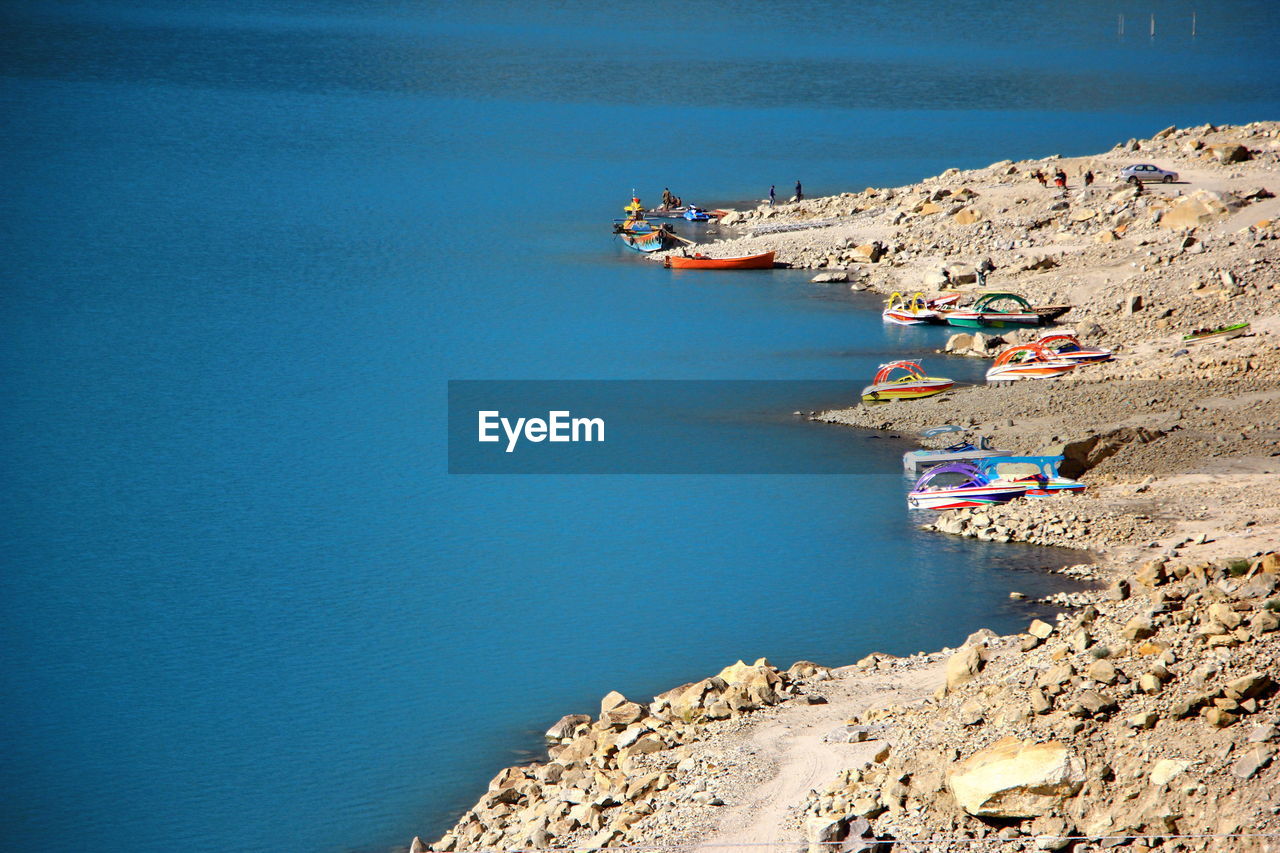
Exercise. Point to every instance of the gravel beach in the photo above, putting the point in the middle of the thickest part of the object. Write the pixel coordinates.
(1145, 715)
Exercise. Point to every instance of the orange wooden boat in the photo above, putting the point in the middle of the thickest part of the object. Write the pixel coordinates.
(698, 262)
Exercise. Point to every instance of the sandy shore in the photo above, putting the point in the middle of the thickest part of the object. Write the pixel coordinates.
(1144, 714)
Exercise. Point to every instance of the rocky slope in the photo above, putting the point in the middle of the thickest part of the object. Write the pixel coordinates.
(1144, 715)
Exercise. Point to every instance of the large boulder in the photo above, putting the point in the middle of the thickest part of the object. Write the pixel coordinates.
(1199, 208)
(1016, 779)
(689, 702)
(1081, 455)
(617, 712)
(961, 273)
(964, 665)
(566, 726)
(760, 682)
(1231, 153)
(869, 253)
(959, 342)
(834, 277)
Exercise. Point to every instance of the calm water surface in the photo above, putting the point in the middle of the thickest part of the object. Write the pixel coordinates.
(246, 245)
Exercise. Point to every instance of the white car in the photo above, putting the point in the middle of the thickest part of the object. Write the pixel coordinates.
(1145, 172)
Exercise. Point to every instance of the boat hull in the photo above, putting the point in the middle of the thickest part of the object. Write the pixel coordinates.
(1034, 370)
(648, 241)
(965, 496)
(750, 262)
(979, 319)
(908, 318)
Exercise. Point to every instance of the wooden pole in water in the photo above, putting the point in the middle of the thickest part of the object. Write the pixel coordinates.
(1153, 25)
(1193, 23)
(1120, 25)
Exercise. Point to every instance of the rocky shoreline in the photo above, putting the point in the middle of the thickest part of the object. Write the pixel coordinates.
(1144, 716)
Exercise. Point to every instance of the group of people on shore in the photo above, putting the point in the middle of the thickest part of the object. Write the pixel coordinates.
(773, 193)
(1060, 178)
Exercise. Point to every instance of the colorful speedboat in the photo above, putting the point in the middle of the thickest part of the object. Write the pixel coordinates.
(1222, 333)
(696, 214)
(698, 261)
(1038, 473)
(964, 451)
(1000, 309)
(1065, 346)
(905, 311)
(1028, 361)
(911, 385)
(637, 233)
(961, 484)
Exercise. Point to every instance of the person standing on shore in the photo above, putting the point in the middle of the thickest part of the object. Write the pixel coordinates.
(1088, 178)
(983, 268)
(772, 194)
(1039, 176)
(799, 192)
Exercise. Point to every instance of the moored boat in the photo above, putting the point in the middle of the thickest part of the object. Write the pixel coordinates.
(1028, 361)
(637, 233)
(645, 241)
(698, 261)
(1222, 333)
(905, 311)
(964, 451)
(999, 309)
(696, 214)
(969, 486)
(1065, 346)
(911, 385)
(1038, 473)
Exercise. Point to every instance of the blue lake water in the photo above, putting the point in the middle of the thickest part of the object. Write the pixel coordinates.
(246, 247)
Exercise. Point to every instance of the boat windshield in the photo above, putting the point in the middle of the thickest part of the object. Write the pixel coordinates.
(953, 475)
(1005, 303)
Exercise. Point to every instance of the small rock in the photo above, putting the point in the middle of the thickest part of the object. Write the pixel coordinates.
(1254, 759)
(1040, 629)
(1261, 734)
(1248, 686)
(1137, 628)
(1219, 718)
(1165, 770)
(1143, 720)
(1118, 591)
(838, 276)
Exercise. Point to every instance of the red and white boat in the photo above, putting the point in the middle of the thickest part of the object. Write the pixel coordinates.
(1028, 361)
(905, 311)
(970, 487)
(1066, 347)
(911, 385)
